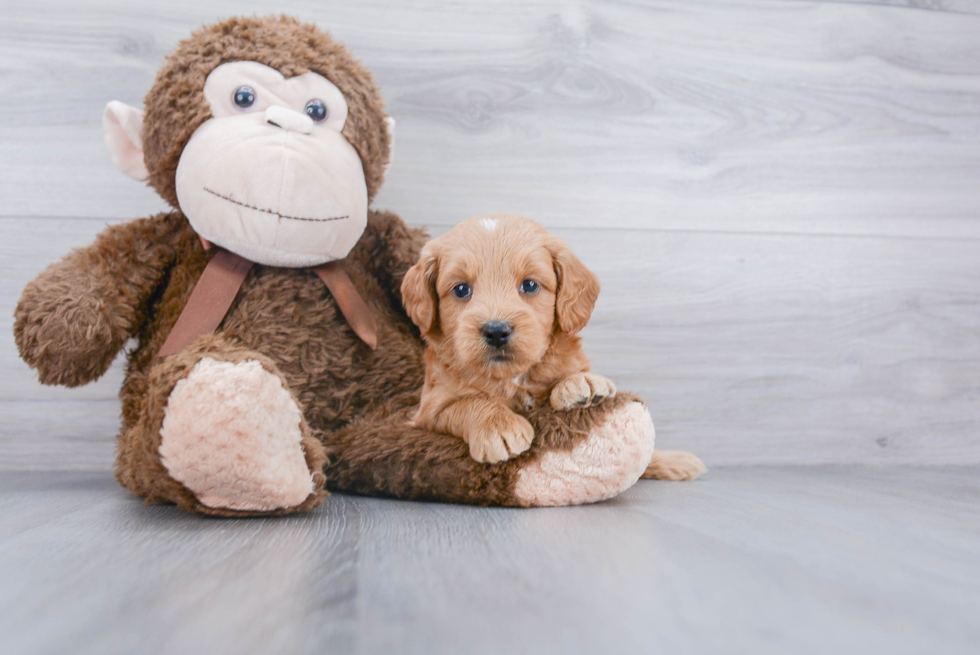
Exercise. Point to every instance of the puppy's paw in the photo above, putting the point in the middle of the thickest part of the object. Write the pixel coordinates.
(504, 436)
(581, 390)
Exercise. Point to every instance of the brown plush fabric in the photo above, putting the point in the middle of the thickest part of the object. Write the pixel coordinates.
(136, 278)
(74, 318)
(289, 315)
(357, 401)
(382, 454)
(283, 43)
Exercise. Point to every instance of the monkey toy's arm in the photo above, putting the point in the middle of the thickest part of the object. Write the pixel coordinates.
(74, 318)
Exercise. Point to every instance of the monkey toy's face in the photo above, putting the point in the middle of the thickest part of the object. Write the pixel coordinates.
(269, 176)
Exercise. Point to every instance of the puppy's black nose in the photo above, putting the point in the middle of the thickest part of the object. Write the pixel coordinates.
(497, 333)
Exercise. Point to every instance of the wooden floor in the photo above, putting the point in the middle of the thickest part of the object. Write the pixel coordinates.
(748, 560)
(782, 200)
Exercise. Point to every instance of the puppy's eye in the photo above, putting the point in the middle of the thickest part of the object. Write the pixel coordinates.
(529, 286)
(462, 291)
(244, 97)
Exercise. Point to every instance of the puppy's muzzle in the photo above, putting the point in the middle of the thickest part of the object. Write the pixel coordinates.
(497, 333)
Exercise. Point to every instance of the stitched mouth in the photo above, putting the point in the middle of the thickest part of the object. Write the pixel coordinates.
(275, 213)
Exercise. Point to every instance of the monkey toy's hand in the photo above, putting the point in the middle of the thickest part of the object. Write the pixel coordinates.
(65, 326)
(75, 317)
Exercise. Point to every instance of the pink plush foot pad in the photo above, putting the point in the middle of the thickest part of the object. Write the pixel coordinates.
(231, 434)
(605, 464)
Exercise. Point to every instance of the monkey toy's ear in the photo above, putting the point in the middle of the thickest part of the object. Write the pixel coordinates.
(123, 129)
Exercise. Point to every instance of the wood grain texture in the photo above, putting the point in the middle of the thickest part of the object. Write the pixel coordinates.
(746, 560)
(781, 198)
(737, 116)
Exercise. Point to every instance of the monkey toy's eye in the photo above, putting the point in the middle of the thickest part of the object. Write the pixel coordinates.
(244, 97)
(529, 286)
(316, 110)
(462, 291)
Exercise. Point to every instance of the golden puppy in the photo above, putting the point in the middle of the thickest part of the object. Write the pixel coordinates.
(500, 302)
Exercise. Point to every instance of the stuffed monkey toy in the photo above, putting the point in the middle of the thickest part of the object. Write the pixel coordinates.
(273, 358)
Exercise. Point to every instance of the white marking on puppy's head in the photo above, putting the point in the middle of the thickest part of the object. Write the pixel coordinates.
(488, 224)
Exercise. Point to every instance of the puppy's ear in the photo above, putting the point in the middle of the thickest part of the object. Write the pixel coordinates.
(419, 291)
(578, 288)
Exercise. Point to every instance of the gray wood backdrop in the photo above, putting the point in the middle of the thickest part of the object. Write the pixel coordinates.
(782, 198)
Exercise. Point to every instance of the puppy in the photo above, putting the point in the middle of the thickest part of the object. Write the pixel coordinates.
(499, 302)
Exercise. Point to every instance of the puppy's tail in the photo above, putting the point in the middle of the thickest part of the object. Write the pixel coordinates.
(673, 465)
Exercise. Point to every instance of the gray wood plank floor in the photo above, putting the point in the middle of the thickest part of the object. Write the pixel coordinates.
(748, 560)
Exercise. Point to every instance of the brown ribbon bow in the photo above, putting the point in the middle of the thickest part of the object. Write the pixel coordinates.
(223, 277)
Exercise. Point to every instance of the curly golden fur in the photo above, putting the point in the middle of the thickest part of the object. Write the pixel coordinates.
(500, 302)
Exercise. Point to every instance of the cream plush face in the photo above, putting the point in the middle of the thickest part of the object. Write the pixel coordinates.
(265, 180)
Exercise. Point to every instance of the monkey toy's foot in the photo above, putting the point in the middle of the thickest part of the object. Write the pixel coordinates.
(604, 464)
(581, 455)
(232, 434)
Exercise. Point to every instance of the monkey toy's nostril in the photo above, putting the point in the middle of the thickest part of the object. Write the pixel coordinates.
(289, 120)
(497, 333)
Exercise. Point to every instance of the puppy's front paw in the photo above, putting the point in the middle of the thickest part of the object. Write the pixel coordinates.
(504, 436)
(581, 390)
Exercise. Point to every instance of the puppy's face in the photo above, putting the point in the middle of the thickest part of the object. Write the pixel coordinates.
(490, 294)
